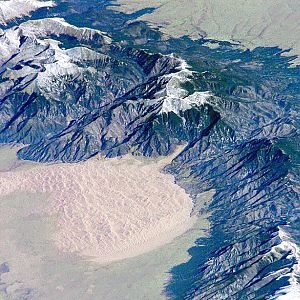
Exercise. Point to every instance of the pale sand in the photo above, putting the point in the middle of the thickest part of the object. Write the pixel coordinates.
(107, 209)
(252, 23)
(34, 261)
(9, 160)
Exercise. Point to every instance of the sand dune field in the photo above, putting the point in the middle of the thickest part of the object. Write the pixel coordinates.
(107, 209)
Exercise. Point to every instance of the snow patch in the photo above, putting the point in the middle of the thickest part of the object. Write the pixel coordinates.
(12, 9)
(177, 97)
(291, 292)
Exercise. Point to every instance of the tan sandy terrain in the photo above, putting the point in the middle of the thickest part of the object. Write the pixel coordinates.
(251, 22)
(40, 270)
(107, 209)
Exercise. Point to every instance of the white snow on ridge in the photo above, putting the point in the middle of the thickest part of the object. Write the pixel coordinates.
(62, 62)
(9, 44)
(176, 104)
(57, 26)
(57, 62)
(178, 98)
(40, 30)
(12, 9)
(293, 291)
